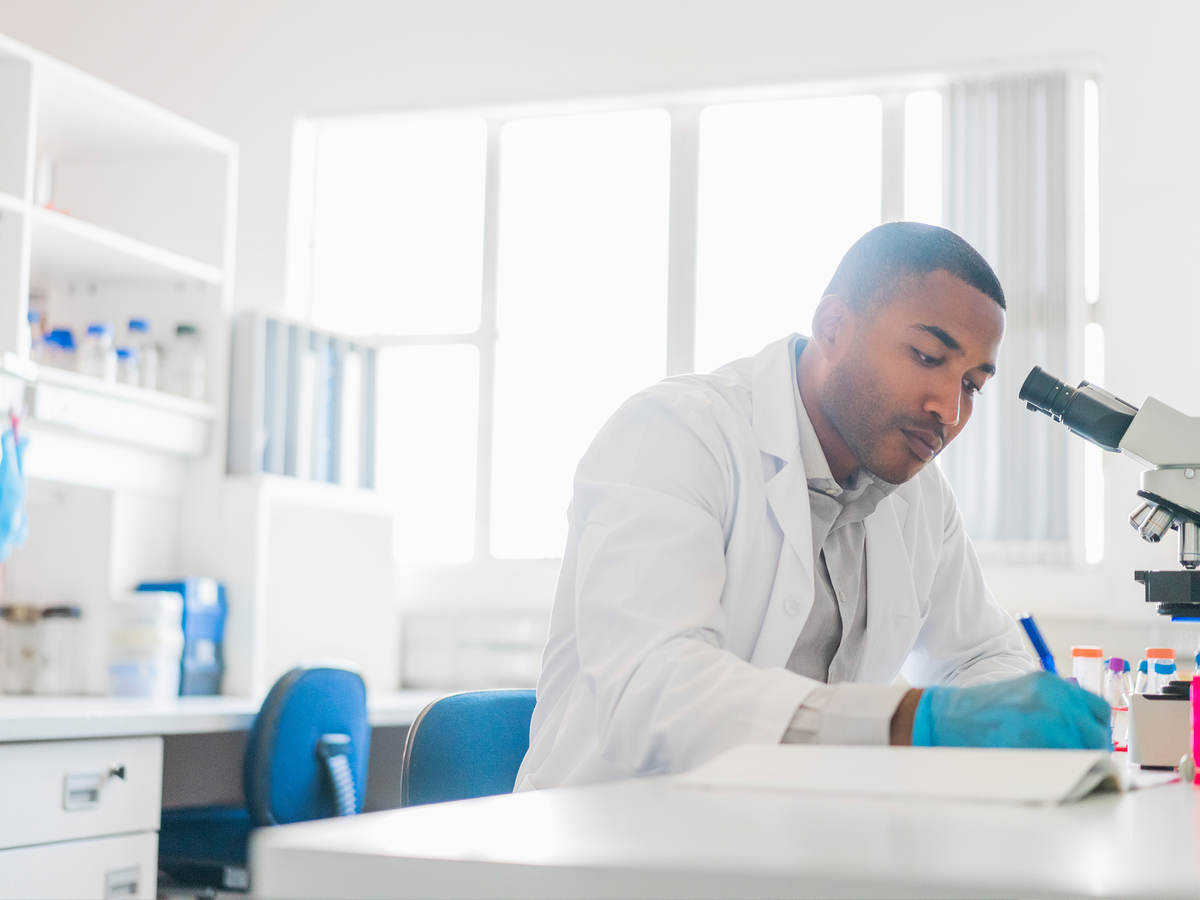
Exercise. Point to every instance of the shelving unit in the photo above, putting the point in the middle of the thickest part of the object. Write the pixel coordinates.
(69, 248)
(110, 207)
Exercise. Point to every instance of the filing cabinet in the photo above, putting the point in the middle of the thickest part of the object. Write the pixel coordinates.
(80, 818)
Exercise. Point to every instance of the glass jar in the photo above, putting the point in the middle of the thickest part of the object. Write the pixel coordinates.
(188, 364)
(96, 354)
(147, 352)
(21, 650)
(60, 651)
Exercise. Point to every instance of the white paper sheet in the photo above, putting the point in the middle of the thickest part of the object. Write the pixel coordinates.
(940, 773)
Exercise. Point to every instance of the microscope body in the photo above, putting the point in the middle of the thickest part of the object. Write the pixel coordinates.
(1168, 443)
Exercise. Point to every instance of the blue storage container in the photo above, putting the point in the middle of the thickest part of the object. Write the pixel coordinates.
(204, 609)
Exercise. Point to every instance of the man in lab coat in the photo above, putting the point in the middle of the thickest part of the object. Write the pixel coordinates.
(754, 555)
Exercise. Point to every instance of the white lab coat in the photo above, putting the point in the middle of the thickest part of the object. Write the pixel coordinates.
(688, 574)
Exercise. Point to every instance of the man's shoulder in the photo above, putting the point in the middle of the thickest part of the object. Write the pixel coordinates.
(722, 394)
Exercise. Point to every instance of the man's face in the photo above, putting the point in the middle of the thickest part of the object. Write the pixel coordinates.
(903, 379)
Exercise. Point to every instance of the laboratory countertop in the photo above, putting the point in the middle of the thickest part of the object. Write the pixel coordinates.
(63, 718)
(655, 837)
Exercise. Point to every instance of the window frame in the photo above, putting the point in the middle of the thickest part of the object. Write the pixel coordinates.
(684, 111)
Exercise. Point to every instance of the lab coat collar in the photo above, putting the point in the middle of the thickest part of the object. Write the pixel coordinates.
(775, 423)
(778, 433)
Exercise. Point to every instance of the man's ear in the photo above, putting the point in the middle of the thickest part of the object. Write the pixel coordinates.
(831, 321)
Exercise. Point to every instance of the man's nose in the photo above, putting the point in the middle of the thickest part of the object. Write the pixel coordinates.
(945, 402)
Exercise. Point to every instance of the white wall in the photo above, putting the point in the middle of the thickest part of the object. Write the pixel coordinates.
(248, 68)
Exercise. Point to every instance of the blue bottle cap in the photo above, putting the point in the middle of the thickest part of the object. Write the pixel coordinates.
(139, 325)
(61, 337)
(126, 353)
(99, 328)
(1144, 666)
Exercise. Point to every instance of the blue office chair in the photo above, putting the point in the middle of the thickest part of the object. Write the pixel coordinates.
(466, 745)
(306, 758)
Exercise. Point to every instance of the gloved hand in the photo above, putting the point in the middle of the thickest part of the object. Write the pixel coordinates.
(14, 526)
(1035, 710)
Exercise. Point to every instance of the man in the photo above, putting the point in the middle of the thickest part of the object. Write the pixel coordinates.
(754, 555)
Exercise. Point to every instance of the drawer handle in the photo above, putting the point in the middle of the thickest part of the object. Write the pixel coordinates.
(122, 882)
(82, 790)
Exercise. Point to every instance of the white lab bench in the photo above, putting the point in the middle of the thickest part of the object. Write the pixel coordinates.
(653, 838)
(81, 782)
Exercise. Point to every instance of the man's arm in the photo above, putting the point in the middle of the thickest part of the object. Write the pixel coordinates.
(650, 496)
(967, 637)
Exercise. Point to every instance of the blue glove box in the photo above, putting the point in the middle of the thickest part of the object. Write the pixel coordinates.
(204, 611)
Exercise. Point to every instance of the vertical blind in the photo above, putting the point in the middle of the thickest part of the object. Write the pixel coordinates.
(1009, 165)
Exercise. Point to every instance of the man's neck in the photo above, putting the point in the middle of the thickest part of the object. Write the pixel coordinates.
(842, 462)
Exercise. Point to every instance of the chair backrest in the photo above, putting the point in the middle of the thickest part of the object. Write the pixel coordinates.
(466, 745)
(306, 757)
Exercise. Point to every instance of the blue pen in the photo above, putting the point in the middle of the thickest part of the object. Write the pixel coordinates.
(1039, 643)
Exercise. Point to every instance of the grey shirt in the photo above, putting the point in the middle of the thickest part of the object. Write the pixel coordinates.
(830, 644)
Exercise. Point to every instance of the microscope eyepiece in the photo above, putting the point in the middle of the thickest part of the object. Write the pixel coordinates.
(1089, 411)
(1042, 392)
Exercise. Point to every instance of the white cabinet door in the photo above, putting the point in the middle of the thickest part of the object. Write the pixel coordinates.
(65, 790)
(122, 866)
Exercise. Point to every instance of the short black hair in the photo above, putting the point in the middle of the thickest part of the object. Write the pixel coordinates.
(879, 260)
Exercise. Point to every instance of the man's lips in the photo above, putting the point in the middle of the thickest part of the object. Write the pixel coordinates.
(925, 444)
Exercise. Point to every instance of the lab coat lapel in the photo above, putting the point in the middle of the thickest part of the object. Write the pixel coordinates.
(792, 591)
(893, 614)
(778, 434)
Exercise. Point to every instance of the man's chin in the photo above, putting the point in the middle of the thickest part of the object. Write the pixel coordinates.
(896, 472)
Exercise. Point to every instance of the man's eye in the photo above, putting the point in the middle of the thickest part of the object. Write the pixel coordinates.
(924, 358)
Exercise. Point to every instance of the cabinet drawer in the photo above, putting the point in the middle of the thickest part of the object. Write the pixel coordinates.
(63, 790)
(124, 866)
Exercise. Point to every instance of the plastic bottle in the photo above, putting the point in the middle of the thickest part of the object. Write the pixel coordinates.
(147, 352)
(37, 340)
(96, 354)
(1143, 676)
(145, 644)
(127, 366)
(1154, 683)
(1116, 689)
(1086, 663)
(1164, 674)
(187, 363)
(60, 349)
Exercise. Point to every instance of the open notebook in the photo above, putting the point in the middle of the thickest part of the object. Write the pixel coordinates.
(934, 773)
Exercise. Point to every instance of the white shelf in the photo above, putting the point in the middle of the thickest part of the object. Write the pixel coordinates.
(64, 247)
(11, 203)
(66, 718)
(80, 116)
(115, 412)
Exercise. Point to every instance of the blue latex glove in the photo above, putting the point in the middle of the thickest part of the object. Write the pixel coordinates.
(14, 525)
(1035, 710)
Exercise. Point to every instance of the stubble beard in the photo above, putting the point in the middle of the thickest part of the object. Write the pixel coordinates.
(850, 401)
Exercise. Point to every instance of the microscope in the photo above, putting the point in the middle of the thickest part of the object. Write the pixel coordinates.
(1168, 443)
